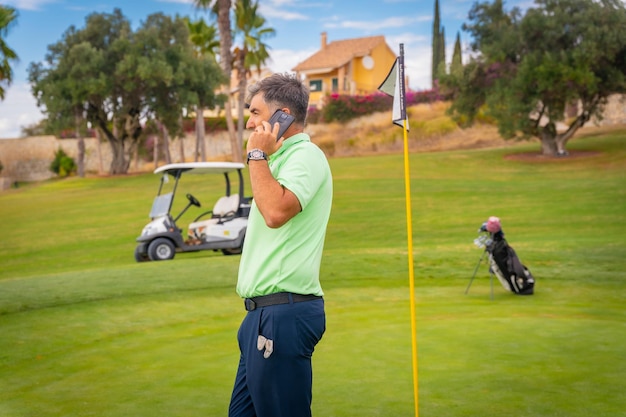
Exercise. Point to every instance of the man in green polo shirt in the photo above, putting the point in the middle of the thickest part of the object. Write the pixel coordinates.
(279, 270)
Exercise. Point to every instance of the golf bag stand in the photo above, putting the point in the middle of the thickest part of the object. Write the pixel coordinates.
(485, 252)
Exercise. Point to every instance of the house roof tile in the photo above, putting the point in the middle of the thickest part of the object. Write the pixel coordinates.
(338, 53)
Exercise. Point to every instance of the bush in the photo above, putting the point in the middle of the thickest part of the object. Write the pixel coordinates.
(62, 165)
(342, 108)
(314, 115)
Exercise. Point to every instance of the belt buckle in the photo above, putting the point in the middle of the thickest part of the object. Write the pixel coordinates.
(249, 304)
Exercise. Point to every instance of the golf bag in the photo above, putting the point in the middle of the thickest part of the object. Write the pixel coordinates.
(504, 263)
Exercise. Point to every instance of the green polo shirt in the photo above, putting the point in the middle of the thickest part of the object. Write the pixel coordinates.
(287, 259)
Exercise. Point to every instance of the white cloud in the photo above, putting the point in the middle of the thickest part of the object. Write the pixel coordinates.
(417, 59)
(390, 22)
(283, 60)
(28, 4)
(282, 2)
(18, 109)
(277, 13)
(407, 38)
(275, 9)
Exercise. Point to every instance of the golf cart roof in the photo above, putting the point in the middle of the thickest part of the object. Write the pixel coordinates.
(199, 168)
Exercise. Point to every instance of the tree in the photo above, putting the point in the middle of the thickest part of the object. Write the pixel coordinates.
(438, 47)
(116, 79)
(207, 75)
(8, 17)
(167, 54)
(251, 53)
(64, 91)
(204, 37)
(529, 68)
(205, 41)
(98, 49)
(221, 9)
(457, 55)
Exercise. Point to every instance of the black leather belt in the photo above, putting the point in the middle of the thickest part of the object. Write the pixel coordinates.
(277, 298)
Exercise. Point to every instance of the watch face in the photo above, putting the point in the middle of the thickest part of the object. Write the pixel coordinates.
(256, 155)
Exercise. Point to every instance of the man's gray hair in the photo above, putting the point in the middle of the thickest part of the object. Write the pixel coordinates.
(283, 90)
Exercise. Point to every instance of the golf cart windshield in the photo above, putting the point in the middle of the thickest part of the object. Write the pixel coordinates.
(161, 205)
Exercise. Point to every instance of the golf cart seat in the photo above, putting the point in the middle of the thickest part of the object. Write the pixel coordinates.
(225, 209)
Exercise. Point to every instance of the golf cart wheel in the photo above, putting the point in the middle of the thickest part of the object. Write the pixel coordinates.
(235, 251)
(140, 256)
(161, 249)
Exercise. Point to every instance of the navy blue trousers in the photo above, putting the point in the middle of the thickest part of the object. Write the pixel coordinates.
(281, 384)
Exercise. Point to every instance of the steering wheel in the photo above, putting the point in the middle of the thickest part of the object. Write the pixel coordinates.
(193, 200)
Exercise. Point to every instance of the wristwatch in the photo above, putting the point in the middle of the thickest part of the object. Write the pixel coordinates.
(256, 155)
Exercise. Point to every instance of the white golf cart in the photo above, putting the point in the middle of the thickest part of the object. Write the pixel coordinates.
(223, 228)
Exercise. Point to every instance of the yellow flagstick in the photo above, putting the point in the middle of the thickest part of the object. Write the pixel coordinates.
(409, 231)
(394, 86)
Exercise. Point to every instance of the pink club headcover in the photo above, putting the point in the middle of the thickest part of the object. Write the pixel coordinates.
(493, 225)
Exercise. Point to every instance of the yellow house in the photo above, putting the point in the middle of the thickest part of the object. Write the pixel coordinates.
(351, 66)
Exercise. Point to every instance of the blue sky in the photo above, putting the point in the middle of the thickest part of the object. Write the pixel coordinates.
(298, 25)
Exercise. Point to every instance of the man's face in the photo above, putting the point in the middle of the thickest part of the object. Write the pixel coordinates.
(259, 112)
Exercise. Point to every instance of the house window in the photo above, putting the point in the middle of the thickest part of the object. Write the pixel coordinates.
(335, 85)
(315, 85)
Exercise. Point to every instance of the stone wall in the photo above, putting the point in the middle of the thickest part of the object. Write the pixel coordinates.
(615, 111)
(29, 159)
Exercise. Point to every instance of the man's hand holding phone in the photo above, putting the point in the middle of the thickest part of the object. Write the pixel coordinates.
(267, 135)
(283, 119)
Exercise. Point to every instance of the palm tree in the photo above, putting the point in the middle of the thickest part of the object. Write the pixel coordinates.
(206, 44)
(251, 53)
(203, 37)
(8, 16)
(221, 9)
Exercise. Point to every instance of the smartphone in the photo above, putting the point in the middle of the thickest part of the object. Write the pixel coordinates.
(284, 120)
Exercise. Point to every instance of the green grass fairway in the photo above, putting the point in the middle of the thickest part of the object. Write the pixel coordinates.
(87, 331)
